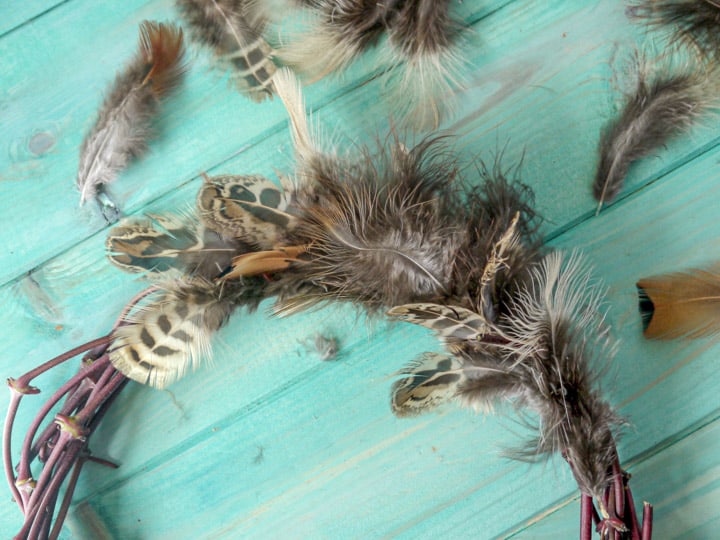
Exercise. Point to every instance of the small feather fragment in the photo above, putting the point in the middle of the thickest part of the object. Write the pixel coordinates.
(681, 304)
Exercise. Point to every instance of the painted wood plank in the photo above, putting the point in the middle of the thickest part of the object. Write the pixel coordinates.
(688, 476)
(319, 473)
(14, 14)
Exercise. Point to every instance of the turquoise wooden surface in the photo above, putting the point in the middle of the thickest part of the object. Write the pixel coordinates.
(271, 442)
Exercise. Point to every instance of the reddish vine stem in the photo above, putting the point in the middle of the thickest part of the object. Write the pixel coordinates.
(617, 502)
(62, 445)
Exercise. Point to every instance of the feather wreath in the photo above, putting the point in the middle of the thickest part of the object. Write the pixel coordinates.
(692, 23)
(660, 107)
(233, 29)
(421, 49)
(681, 304)
(373, 230)
(544, 353)
(122, 129)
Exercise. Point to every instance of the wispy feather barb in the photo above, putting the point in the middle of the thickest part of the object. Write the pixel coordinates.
(661, 106)
(123, 125)
(694, 23)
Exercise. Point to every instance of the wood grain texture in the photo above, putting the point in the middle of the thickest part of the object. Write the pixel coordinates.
(271, 442)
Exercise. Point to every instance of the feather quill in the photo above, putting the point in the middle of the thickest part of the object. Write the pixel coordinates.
(123, 125)
(233, 29)
(681, 304)
(694, 23)
(661, 107)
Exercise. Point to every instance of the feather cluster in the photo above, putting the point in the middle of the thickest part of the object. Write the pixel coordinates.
(692, 23)
(123, 126)
(681, 304)
(660, 107)
(233, 29)
(420, 48)
(540, 352)
(400, 231)
(378, 230)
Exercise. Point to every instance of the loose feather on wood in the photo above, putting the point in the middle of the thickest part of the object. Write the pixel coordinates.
(122, 129)
(661, 106)
(234, 30)
(693, 23)
(681, 304)
(420, 50)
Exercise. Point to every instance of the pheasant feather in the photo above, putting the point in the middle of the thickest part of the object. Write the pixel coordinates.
(694, 23)
(662, 106)
(123, 125)
(681, 304)
(234, 30)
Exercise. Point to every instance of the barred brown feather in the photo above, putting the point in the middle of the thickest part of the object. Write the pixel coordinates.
(123, 125)
(170, 333)
(159, 244)
(234, 30)
(250, 208)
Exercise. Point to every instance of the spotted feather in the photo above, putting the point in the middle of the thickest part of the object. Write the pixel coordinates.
(160, 244)
(170, 334)
(452, 324)
(233, 30)
(250, 208)
(430, 381)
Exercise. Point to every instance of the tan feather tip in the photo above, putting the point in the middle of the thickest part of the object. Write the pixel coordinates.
(161, 45)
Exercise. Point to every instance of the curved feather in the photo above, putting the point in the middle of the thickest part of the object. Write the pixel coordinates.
(170, 334)
(250, 208)
(123, 125)
(681, 304)
(695, 23)
(661, 107)
(159, 244)
(429, 381)
(423, 65)
(559, 342)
